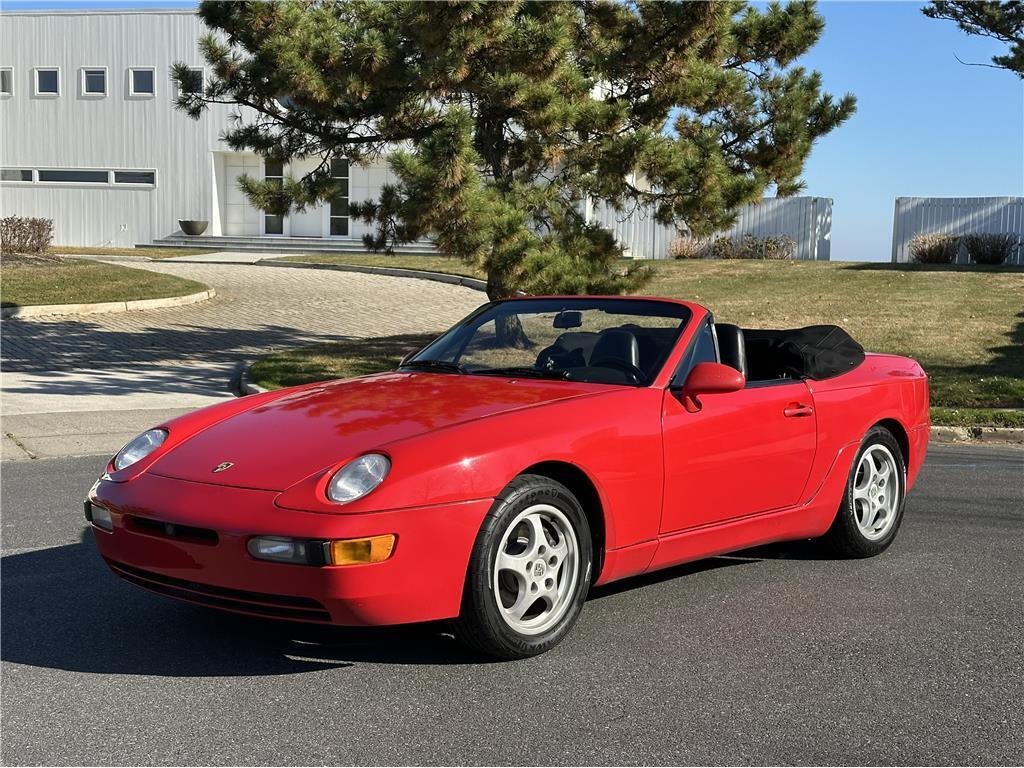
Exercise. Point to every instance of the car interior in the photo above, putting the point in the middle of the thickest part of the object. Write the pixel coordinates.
(630, 354)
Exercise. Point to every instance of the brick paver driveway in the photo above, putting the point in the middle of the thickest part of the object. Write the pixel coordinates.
(116, 372)
(257, 309)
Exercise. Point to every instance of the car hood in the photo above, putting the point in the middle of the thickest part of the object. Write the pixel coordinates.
(277, 444)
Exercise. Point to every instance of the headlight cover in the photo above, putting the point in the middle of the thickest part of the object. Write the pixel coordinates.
(140, 448)
(358, 478)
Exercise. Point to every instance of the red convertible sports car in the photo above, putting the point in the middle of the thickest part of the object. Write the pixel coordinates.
(539, 447)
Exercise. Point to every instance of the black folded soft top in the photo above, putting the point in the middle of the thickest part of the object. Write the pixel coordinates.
(816, 352)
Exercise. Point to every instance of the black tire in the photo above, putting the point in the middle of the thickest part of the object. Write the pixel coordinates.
(480, 624)
(845, 538)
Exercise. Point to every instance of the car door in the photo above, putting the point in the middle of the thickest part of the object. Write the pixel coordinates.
(742, 453)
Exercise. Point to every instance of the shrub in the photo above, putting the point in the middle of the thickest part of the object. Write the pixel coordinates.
(934, 248)
(23, 236)
(688, 248)
(990, 249)
(770, 247)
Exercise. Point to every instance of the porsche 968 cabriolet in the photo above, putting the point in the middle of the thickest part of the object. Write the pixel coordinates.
(540, 447)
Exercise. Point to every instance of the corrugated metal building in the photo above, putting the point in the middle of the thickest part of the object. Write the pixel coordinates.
(807, 220)
(956, 216)
(92, 140)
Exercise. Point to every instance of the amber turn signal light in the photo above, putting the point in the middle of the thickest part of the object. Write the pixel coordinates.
(373, 549)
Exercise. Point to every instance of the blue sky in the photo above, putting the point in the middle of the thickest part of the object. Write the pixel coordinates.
(926, 125)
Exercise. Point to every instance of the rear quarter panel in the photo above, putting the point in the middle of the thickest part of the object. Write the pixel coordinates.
(883, 388)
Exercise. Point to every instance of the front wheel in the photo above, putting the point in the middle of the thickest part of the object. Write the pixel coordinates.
(872, 507)
(529, 573)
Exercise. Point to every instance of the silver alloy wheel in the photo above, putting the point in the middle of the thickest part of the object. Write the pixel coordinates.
(536, 569)
(876, 492)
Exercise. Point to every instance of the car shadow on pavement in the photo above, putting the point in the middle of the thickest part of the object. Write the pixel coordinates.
(63, 609)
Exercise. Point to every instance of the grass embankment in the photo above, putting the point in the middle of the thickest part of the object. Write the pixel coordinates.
(78, 281)
(152, 253)
(965, 325)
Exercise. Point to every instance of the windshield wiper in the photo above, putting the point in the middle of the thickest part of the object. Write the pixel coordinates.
(434, 365)
(523, 371)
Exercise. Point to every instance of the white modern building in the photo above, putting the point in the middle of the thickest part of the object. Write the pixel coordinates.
(91, 139)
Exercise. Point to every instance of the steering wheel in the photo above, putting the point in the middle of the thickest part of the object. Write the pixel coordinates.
(634, 372)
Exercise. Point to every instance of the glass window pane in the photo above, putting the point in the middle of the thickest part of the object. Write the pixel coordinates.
(142, 81)
(134, 177)
(15, 174)
(274, 225)
(6, 81)
(339, 206)
(74, 176)
(273, 169)
(339, 169)
(339, 226)
(193, 82)
(47, 81)
(95, 81)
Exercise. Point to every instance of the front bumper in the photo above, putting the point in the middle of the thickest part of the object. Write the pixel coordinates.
(188, 540)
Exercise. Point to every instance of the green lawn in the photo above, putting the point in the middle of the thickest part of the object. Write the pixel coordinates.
(964, 324)
(78, 281)
(152, 253)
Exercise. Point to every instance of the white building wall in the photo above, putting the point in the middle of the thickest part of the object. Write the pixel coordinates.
(196, 175)
(807, 220)
(956, 216)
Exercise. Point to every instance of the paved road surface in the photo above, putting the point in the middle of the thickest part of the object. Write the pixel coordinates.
(769, 657)
(73, 385)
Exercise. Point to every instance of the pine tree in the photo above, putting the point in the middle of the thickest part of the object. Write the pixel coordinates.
(500, 120)
(1002, 21)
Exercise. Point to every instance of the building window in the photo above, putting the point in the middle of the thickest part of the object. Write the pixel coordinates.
(339, 203)
(273, 170)
(75, 176)
(6, 81)
(47, 81)
(142, 81)
(15, 174)
(193, 82)
(135, 177)
(94, 81)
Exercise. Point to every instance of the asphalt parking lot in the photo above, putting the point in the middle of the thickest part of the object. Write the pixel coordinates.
(770, 656)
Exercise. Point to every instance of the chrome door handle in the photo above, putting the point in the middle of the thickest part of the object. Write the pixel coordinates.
(796, 410)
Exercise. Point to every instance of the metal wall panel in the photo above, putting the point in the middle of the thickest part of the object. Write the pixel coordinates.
(956, 216)
(808, 220)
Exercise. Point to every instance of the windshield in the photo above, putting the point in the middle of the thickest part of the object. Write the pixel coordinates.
(607, 341)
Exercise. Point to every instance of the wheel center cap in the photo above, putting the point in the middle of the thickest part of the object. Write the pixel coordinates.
(538, 570)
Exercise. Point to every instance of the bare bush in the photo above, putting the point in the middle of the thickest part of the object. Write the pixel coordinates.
(933, 248)
(990, 249)
(688, 248)
(767, 248)
(24, 236)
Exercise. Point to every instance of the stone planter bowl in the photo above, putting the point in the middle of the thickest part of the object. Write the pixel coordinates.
(193, 227)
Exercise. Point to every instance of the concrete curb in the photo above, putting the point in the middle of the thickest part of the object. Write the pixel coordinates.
(106, 307)
(245, 383)
(978, 434)
(420, 274)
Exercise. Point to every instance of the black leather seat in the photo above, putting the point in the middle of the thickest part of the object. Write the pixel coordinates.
(615, 345)
(732, 350)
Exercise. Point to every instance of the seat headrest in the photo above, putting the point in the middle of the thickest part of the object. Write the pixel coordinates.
(616, 345)
(732, 348)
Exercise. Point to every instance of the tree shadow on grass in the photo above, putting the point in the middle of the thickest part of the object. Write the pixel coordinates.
(339, 359)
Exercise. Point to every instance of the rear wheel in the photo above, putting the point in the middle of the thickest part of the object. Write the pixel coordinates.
(872, 507)
(529, 573)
